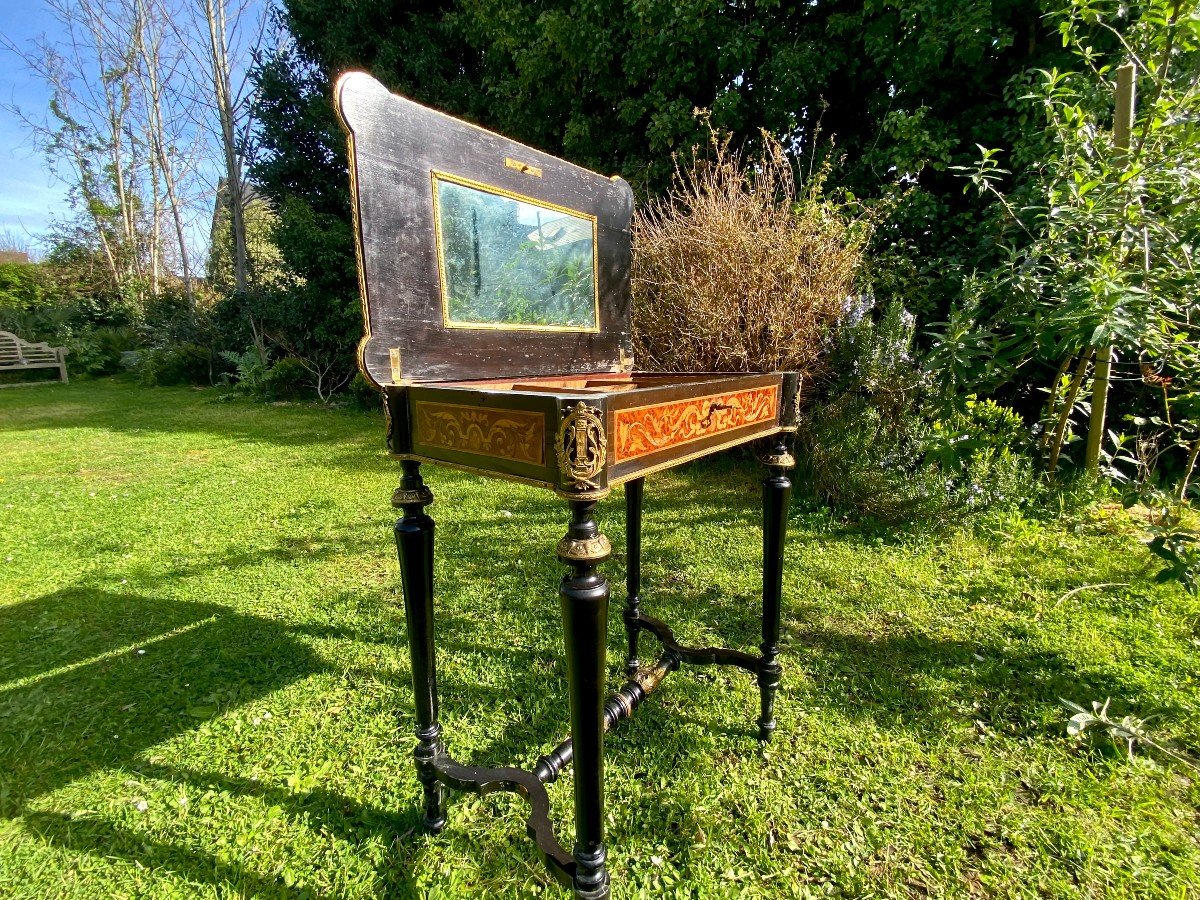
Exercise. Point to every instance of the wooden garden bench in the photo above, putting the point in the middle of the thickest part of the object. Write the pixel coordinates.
(16, 354)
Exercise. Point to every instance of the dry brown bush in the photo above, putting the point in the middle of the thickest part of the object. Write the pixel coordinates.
(739, 268)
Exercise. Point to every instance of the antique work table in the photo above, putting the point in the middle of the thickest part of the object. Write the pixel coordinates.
(495, 286)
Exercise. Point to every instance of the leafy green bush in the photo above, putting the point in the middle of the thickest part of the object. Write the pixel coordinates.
(1179, 546)
(984, 448)
(876, 444)
(169, 318)
(47, 302)
(1102, 231)
(250, 370)
(53, 323)
(21, 287)
(362, 394)
(185, 363)
(98, 351)
(288, 379)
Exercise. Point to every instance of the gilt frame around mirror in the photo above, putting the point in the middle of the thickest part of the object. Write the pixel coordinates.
(532, 269)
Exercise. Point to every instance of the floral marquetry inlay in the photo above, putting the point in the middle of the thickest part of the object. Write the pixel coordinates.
(505, 433)
(648, 429)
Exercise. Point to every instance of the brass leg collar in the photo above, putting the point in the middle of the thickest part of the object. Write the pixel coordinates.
(783, 460)
(410, 497)
(595, 494)
(593, 550)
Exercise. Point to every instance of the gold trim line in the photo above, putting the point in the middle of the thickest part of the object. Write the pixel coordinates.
(436, 176)
(617, 480)
(445, 115)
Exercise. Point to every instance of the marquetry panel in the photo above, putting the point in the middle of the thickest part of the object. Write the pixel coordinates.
(504, 433)
(648, 429)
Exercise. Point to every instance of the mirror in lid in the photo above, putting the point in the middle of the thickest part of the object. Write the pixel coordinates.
(507, 261)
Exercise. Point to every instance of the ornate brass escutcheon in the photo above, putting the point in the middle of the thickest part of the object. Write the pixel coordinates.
(581, 447)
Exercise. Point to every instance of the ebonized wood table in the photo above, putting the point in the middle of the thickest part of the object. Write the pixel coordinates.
(495, 285)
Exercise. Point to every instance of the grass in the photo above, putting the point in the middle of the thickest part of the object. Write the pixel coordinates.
(204, 682)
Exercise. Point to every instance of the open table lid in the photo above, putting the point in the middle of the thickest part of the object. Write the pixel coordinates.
(480, 257)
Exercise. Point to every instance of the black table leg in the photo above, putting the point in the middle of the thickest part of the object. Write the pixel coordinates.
(777, 493)
(584, 597)
(633, 569)
(414, 544)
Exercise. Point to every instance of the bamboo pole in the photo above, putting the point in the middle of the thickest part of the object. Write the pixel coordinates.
(1193, 452)
(1064, 415)
(1126, 100)
(1052, 403)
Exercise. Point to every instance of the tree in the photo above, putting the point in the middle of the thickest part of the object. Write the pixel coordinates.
(88, 135)
(122, 133)
(264, 262)
(168, 114)
(149, 99)
(1109, 226)
(21, 288)
(233, 32)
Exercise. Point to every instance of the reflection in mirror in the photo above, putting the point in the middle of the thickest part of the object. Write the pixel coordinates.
(508, 262)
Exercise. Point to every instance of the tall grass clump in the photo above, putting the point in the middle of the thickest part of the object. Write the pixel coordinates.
(741, 267)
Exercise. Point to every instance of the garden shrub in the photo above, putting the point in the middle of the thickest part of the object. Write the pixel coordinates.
(874, 442)
(288, 379)
(862, 437)
(250, 371)
(741, 268)
(985, 448)
(185, 363)
(97, 351)
(362, 394)
(21, 287)
(51, 322)
(169, 318)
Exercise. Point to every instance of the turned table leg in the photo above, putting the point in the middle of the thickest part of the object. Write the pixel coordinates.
(414, 544)
(633, 569)
(777, 492)
(584, 598)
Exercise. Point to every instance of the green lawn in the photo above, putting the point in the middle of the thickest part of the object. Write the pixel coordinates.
(204, 681)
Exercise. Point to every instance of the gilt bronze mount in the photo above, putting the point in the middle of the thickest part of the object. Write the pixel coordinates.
(580, 448)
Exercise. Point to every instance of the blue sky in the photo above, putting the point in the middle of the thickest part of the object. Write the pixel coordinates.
(29, 196)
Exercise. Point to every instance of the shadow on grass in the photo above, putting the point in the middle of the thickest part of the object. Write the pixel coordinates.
(101, 677)
(148, 669)
(120, 674)
(98, 837)
(919, 683)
